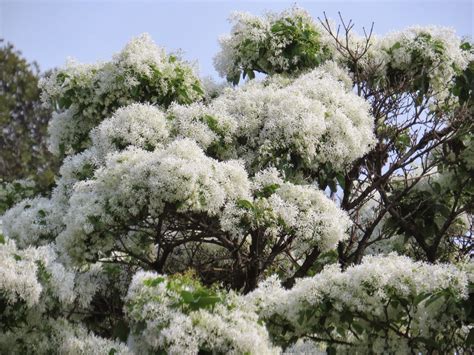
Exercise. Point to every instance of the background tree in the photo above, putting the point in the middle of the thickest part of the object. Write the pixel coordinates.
(23, 125)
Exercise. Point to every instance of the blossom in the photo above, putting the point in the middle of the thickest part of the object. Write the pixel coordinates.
(282, 208)
(140, 125)
(360, 297)
(31, 222)
(427, 58)
(23, 272)
(136, 183)
(285, 42)
(84, 95)
(172, 324)
(306, 123)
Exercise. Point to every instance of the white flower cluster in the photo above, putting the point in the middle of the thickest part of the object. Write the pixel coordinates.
(36, 290)
(14, 191)
(74, 168)
(26, 273)
(208, 125)
(38, 221)
(277, 43)
(141, 125)
(305, 347)
(428, 58)
(311, 121)
(62, 128)
(57, 336)
(246, 27)
(348, 306)
(282, 208)
(180, 316)
(90, 282)
(137, 183)
(85, 94)
(18, 277)
(31, 222)
(142, 55)
(74, 340)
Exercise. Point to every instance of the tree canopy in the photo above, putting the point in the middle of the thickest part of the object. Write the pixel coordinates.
(326, 207)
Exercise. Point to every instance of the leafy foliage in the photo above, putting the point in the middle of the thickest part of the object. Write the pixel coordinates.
(23, 124)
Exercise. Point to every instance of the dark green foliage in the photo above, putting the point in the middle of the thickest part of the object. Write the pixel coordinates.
(23, 123)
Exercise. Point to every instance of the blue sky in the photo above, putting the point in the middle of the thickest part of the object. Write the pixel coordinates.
(51, 31)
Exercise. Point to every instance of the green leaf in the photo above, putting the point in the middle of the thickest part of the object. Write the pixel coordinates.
(466, 46)
(212, 123)
(470, 338)
(341, 331)
(421, 297)
(341, 179)
(249, 73)
(187, 296)
(207, 301)
(245, 204)
(153, 282)
(433, 298)
(396, 45)
(439, 221)
(268, 190)
(403, 141)
(234, 79)
(358, 328)
(301, 318)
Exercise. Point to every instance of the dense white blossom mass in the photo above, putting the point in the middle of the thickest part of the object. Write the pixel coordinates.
(276, 43)
(410, 298)
(140, 125)
(178, 316)
(85, 94)
(185, 215)
(302, 124)
(424, 58)
(136, 183)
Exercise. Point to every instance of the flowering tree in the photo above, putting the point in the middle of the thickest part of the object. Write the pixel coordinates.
(325, 207)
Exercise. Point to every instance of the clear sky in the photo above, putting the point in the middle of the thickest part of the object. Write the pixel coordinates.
(51, 31)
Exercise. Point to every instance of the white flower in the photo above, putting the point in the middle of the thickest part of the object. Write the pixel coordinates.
(364, 290)
(84, 95)
(140, 125)
(134, 182)
(228, 327)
